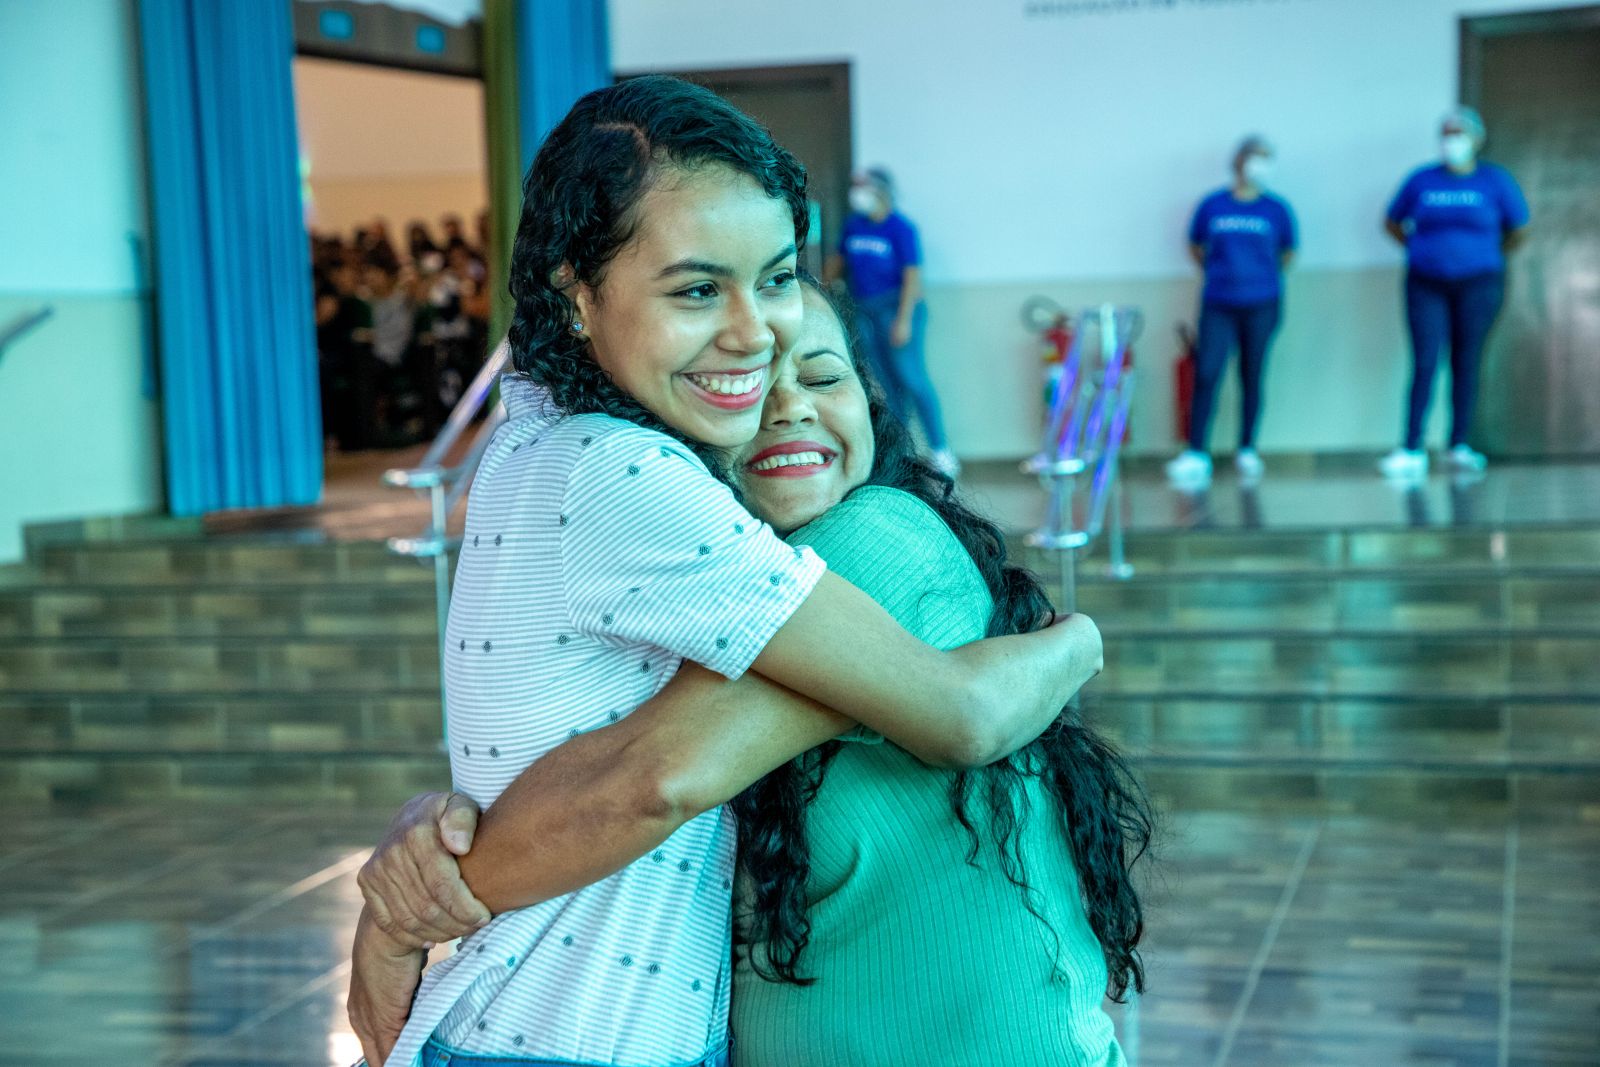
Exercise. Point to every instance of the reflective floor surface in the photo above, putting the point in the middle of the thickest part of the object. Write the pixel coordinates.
(157, 934)
(1505, 494)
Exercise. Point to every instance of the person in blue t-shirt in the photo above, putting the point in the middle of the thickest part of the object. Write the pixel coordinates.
(1457, 220)
(1242, 237)
(879, 258)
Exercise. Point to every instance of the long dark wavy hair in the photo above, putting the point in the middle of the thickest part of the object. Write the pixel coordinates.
(579, 203)
(1096, 799)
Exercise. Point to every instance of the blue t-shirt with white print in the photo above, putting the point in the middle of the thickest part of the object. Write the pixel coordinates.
(1455, 223)
(878, 253)
(1243, 242)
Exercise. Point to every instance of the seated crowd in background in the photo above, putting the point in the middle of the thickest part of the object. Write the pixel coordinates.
(399, 336)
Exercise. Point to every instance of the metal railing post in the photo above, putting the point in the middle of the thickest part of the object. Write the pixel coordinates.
(1121, 569)
(1087, 421)
(441, 587)
(446, 486)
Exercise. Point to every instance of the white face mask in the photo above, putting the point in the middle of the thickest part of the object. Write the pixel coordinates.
(1257, 170)
(863, 200)
(1457, 149)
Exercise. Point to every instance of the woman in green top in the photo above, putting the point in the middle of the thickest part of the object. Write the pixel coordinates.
(896, 913)
(892, 912)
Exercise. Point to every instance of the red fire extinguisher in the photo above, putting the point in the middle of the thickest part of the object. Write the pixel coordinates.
(1183, 372)
(1053, 327)
(1056, 340)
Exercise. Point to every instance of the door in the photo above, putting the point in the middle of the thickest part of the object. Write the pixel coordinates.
(1536, 78)
(807, 108)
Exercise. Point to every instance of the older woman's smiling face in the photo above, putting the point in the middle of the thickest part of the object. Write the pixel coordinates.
(815, 443)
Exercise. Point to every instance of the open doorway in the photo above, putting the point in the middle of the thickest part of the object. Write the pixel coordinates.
(394, 183)
(807, 108)
(1536, 79)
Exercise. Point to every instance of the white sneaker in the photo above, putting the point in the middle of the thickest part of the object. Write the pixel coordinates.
(945, 462)
(1248, 461)
(1463, 458)
(1189, 468)
(1404, 463)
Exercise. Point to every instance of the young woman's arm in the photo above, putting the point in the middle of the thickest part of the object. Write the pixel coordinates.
(655, 552)
(966, 707)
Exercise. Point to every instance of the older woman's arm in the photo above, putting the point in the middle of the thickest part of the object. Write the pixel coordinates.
(606, 798)
(583, 811)
(589, 807)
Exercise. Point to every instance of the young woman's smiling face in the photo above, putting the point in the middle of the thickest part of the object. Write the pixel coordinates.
(690, 314)
(815, 444)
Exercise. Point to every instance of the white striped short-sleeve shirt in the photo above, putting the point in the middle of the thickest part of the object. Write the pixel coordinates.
(598, 555)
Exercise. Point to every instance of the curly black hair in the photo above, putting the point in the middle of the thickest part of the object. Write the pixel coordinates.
(1100, 804)
(579, 203)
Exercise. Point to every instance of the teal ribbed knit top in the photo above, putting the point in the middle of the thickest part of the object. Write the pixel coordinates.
(921, 958)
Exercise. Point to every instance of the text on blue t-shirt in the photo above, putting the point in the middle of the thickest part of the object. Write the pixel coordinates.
(1243, 242)
(878, 253)
(1455, 223)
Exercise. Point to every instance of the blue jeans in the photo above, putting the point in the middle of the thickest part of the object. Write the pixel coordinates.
(901, 371)
(1458, 313)
(1223, 326)
(436, 1055)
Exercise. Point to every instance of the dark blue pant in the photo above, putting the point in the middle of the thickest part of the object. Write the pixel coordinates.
(1222, 327)
(901, 371)
(1458, 313)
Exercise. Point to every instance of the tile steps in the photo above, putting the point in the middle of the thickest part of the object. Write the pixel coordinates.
(1321, 726)
(387, 778)
(1439, 764)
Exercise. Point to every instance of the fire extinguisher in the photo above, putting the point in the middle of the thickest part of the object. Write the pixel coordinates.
(1054, 329)
(1057, 339)
(1183, 372)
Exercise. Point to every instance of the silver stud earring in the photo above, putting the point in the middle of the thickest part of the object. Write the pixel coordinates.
(577, 329)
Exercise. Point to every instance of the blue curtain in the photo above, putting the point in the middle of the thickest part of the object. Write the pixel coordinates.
(233, 292)
(563, 51)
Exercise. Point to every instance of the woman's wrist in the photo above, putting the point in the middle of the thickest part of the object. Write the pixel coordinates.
(373, 938)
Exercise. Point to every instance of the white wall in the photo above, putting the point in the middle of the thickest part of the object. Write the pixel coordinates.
(73, 167)
(78, 435)
(1063, 153)
(390, 143)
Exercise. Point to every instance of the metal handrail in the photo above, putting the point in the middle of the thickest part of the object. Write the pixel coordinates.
(27, 322)
(430, 468)
(1084, 434)
(447, 485)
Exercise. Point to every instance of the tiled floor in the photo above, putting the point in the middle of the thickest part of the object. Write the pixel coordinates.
(170, 935)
